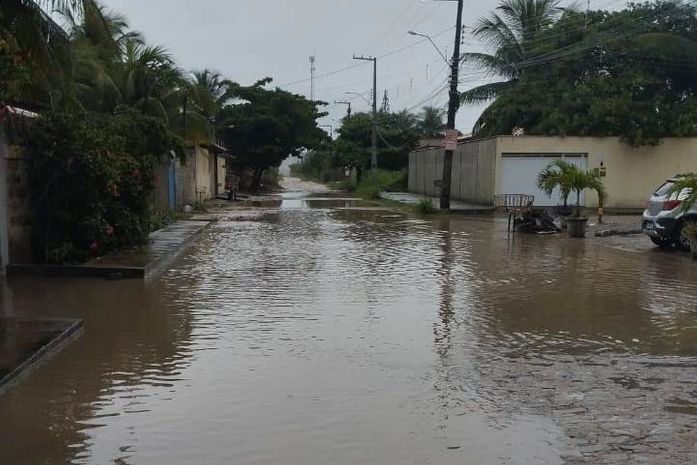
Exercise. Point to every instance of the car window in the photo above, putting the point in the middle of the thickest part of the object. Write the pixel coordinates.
(664, 189)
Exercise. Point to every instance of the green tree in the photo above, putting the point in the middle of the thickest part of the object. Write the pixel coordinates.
(557, 175)
(513, 32)
(263, 127)
(398, 134)
(44, 51)
(626, 73)
(431, 121)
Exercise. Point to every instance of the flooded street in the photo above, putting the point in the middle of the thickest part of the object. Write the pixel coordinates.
(328, 331)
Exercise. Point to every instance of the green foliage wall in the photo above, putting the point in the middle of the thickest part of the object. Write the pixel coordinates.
(91, 180)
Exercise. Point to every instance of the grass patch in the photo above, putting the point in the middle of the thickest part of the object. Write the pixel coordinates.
(373, 184)
(426, 207)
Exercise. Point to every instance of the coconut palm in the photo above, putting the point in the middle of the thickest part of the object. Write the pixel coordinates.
(45, 51)
(149, 79)
(99, 40)
(512, 31)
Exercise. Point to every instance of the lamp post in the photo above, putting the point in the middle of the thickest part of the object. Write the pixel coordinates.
(341, 102)
(453, 105)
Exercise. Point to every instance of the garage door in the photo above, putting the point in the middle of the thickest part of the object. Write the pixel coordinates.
(520, 170)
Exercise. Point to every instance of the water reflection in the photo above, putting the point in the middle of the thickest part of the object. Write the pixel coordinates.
(321, 330)
(132, 349)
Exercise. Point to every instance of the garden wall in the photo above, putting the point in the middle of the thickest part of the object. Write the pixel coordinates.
(474, 170)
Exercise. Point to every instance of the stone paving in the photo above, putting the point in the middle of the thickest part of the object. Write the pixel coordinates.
(163, 247)
(455, 205)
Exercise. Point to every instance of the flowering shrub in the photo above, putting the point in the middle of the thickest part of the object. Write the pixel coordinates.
(91, 182)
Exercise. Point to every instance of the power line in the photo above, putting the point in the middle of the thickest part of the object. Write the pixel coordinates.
(348, 68)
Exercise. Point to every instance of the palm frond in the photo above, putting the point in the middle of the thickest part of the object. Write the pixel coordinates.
(485, 92)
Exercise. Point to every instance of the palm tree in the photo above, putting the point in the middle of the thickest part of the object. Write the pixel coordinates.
(569, 178)
(44, 48)
(149, 79)
(431, 121)
(99, 39)
(513, 32)
(557, 175)
(583, 180)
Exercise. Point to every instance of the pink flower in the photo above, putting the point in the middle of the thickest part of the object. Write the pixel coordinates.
(109, 230)
(94, 247)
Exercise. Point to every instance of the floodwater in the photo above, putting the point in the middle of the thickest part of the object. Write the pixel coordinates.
(331, 332)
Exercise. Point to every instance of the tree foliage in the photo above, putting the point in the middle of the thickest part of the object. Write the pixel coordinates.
(630, 73)
(91, 179)
(398, 134)
(263, 127)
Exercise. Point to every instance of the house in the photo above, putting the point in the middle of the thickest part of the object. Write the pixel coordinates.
(510, 164)
(197, 178)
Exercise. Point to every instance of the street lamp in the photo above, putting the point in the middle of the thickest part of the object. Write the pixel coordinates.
(342, 102)
(358, 94)
(425, 36)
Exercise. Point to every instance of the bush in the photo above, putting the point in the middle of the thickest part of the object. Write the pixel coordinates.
(372, 184)
(91, 182)
(425, 207)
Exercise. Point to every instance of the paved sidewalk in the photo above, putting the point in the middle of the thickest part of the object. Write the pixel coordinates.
(456, 206)
(163, 247)
(27, 343)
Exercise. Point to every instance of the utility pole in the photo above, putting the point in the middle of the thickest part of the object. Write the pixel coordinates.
(313, 59)
(452, 111)
(347, 103)
(374, 137)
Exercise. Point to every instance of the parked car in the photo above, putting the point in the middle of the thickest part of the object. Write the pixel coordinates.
(663, 219)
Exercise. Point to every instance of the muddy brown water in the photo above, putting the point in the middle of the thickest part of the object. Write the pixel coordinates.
(332, 333)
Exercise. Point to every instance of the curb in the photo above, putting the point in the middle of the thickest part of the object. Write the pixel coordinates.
(613, 232)
(43, 355)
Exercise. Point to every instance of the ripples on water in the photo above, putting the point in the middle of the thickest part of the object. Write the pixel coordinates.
(344, 335)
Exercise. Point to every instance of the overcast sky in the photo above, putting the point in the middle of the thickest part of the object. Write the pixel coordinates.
(246, 40)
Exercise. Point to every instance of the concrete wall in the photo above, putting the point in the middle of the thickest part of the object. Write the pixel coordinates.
(160, 200)
(473, 177)
(633, 173)
(203, 174)
(222, 167)
(195, 180)
(186, 180)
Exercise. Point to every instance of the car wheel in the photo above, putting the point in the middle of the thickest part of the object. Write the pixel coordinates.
(662, 243)
(681, 241)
